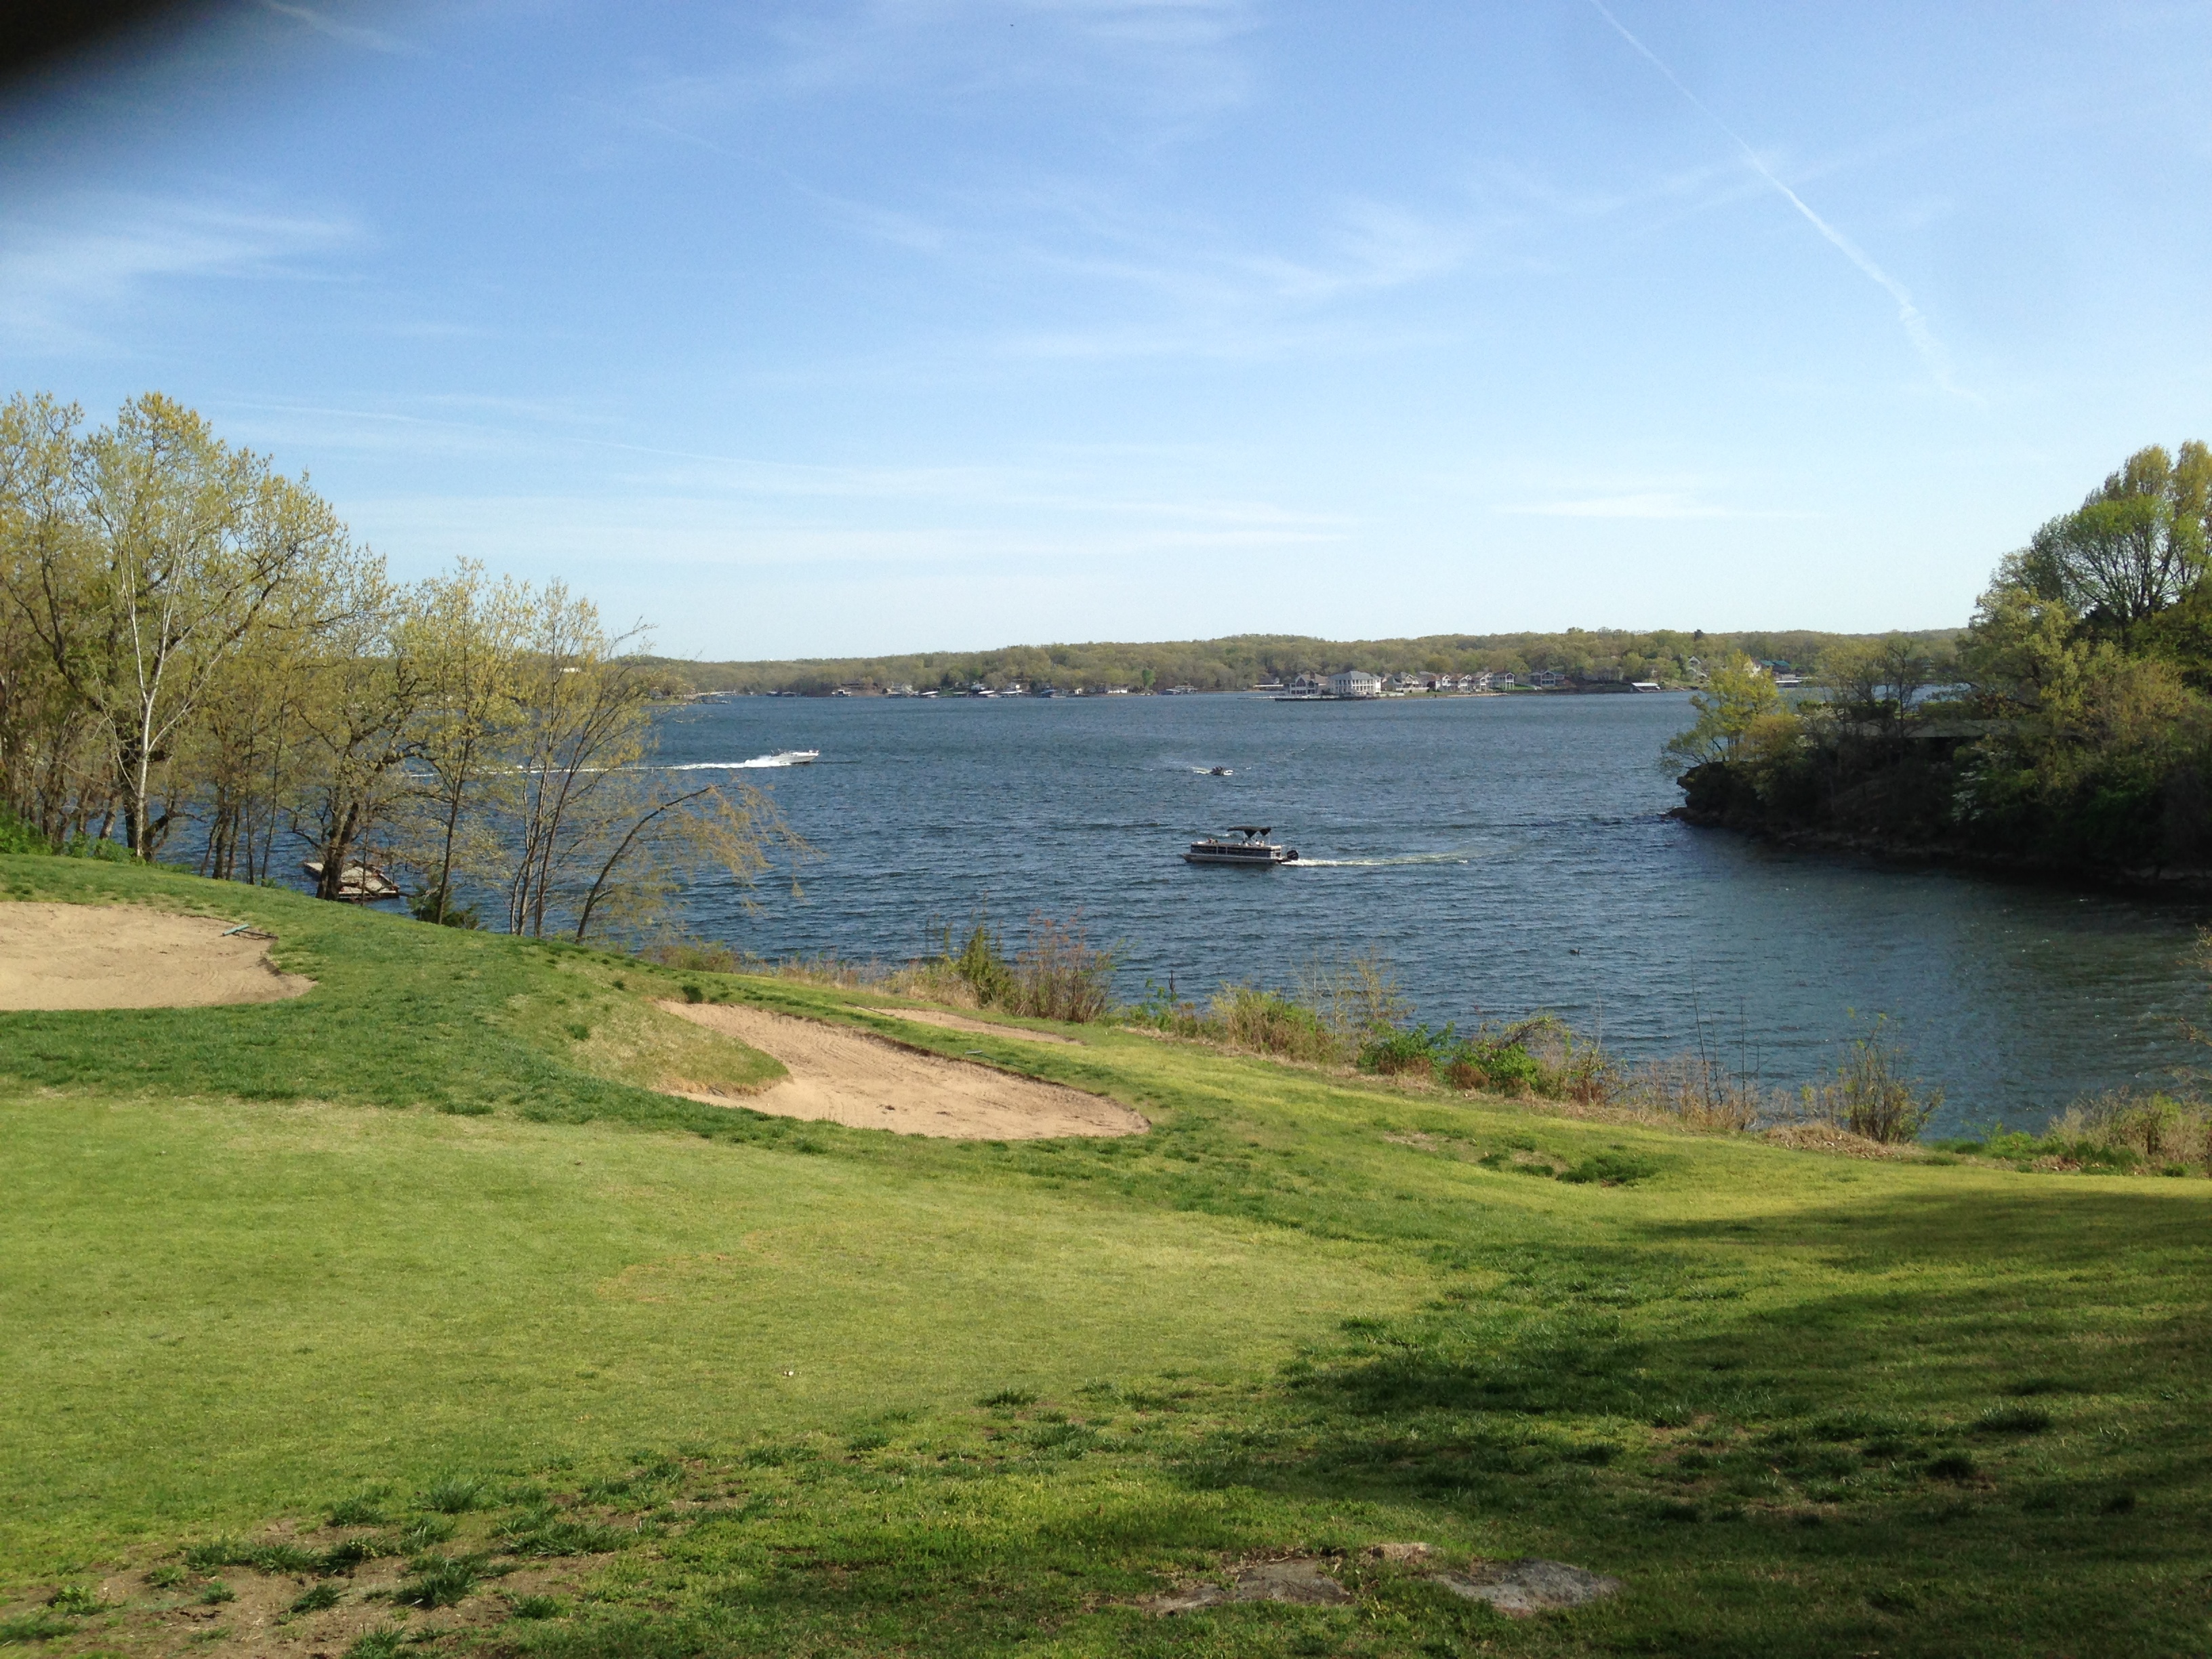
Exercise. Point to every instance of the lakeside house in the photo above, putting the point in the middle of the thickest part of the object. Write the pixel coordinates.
(1547, 679)
(1355, 683)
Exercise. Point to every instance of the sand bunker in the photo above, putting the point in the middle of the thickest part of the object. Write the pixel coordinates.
(87, 955)
(962, 1023)
(849, 1076)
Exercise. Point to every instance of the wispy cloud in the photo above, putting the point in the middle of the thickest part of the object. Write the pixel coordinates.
(351, 34)
(98, 253)
(1061, 486)
(1908, 313)
(1167, 64)
(1662, 504)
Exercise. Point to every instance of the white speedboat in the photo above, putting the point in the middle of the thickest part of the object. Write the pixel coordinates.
(1254, 850)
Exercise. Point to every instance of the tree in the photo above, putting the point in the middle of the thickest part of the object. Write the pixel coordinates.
(1738, 697)
(2132, 549)
(582, 719)
(668, 840)
(142, 555)
(362, 692)
(465, 634)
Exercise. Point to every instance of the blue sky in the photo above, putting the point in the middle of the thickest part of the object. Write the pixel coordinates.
(884, 324)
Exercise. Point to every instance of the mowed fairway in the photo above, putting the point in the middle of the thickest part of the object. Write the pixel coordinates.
(212, 1309)
(424, 1250)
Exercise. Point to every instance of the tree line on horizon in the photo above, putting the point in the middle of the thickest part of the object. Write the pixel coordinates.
(198, 663)
(1603, 655)
(2069, 726)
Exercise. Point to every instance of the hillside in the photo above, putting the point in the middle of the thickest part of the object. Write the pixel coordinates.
(1244, 660)
(413, 1308)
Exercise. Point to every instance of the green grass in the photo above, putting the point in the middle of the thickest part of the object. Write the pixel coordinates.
(827, 1391)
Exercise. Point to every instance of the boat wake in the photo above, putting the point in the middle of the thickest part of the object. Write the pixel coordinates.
(787, 757)
(1382, 864)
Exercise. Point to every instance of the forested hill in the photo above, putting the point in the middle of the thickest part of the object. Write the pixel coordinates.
(1244, 660)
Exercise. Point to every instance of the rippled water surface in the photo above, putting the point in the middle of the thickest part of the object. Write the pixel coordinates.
(1506, 854)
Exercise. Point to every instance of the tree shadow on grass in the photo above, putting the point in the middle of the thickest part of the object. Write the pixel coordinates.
(1906, 1410)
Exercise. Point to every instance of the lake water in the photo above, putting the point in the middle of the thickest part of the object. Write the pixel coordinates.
(1507, 854)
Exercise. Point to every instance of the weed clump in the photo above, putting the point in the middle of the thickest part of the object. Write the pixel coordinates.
(436, 1582)
(34, 1628)
(2014, 1419)
(363, 1509)
(428, 1530)
(453, 1494)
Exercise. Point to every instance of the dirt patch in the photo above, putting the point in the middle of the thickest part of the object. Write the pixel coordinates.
(1831, 1137)
(88, 955)
(1518, 1588)
(963, 1022)
(247, 1614)
(849, 1076)
(1302, 1581)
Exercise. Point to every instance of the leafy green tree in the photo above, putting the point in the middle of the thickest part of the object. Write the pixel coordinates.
(140, 557)
(1738, 699)
(2131, 550)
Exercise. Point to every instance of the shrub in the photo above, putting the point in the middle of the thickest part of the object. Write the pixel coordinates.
(426, 906)
(2124, 1130)
(1268, 1023)
(1413, 1051)
(317, 1599)
(983, 966)
(539, 1606)
(79, 1600)
(1060, 974)
(1871, 1096)
(17, 836)
(693, 956)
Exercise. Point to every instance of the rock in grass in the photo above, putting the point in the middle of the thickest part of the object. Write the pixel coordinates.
(1517, 1588)
(1302, 1581)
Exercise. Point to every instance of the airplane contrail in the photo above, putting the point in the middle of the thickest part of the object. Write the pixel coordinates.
(1915, 325)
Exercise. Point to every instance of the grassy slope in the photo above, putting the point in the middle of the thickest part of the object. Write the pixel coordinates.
(1769, 1388)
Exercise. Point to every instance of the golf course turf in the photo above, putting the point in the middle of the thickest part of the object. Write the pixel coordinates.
(414, 1304)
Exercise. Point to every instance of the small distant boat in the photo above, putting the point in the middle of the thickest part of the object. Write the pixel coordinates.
(795, 757)
(356, 882)
(1219, 772)
(1255, 850)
